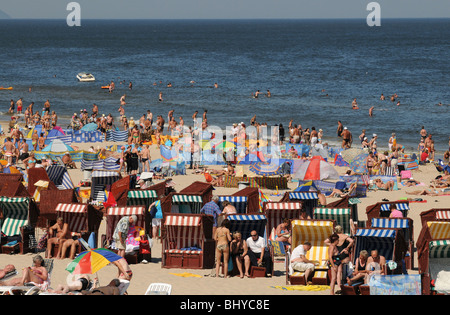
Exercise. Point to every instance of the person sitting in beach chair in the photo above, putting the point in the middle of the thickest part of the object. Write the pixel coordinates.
(67, 160)
(360, 271)
(376, 265)
(300, 263)
(62, 234)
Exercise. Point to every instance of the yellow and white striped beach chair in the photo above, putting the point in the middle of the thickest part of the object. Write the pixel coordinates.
(315, 232)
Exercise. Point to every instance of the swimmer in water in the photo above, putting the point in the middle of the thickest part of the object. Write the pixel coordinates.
(355, 104)
(371, 111)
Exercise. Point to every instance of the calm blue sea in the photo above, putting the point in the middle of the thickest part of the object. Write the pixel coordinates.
(295, 59)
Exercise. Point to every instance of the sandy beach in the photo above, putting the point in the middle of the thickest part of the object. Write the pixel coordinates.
(202, 283)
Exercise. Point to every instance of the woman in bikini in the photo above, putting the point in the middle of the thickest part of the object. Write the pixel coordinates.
(36, 274)
(222, 238)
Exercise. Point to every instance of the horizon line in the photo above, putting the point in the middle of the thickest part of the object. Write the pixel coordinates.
(230, 19)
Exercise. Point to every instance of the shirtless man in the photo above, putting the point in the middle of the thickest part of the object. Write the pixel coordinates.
(205, 119)
(62, 234)
(19, 104)
(109, 122)
(9, 150)
(112, 86)
(122, 100)
(11, 107)
(47, 106)
(382, 97)
(146, 159)
(376, 264)
(94, 110)
(23, 150)
(423, 133)
(71, 243)
(346, 138)
(340, 128)
(16, 134)
(371, 111)
(160, 97)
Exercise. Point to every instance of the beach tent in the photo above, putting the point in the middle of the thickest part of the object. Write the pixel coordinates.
(359, 164)
(381, 209)
(188, 243)
(315, 232)
(276, 212)
(55, 133)
(435, 215)
(406, 226)
(339, 161)
(58, 146)
(19, 213)
(433, 251)
(316, 169)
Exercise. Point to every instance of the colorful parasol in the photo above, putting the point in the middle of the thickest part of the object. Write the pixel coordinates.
(91, 261)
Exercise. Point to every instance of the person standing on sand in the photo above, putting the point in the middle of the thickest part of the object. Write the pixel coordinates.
(222, 237)
(340, 129)
(121, 233)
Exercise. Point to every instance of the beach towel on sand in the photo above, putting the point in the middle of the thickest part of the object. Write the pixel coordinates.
(302, 287)
(186, 275)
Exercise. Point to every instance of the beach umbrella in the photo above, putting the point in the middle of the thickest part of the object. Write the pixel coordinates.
(265, 169)
(57, 145)
(316, 169)
(359, 164)
(90, 127)
(350, 154)
(225, 145)
(91, 261)
(319, 150)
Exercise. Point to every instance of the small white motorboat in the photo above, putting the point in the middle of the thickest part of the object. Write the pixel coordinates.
(85, 77)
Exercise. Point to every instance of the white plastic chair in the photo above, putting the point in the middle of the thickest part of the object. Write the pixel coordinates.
(159, 289)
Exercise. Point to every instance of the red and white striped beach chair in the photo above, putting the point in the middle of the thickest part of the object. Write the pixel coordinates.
(188, 243)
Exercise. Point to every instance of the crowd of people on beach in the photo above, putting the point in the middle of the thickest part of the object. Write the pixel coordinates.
(243, 252)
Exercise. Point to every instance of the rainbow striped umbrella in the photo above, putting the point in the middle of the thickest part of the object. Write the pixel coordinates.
(91, 261)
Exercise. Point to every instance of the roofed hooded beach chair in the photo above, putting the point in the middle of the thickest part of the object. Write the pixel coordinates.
(315, 232)
(433, 251)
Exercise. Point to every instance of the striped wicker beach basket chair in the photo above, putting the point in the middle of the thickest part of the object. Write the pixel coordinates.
(310, 200)
(315, 232)
(433, 249)
(188, 242)
(187, 204)
(343, 217)
(406, 226)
